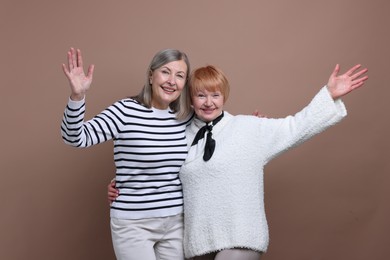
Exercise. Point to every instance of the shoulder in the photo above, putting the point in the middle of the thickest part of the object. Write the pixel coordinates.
(129, 104)
(241, 119)
(132, 103)
(188, 120)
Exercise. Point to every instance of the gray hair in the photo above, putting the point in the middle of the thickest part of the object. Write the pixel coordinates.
(182, 105)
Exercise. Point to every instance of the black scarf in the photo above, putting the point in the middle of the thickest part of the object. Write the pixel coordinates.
(210, 142)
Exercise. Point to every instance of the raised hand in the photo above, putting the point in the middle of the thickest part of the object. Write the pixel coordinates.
(74, 71)
(339, 86)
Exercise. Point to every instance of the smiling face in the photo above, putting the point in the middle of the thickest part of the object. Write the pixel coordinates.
(167, 83)
(209, 90)
(207, 105)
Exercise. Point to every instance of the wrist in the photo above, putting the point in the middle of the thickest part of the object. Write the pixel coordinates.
(330, 91)
(77, 97)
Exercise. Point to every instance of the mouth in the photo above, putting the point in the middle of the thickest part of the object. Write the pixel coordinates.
(168, 89)
(208, 110)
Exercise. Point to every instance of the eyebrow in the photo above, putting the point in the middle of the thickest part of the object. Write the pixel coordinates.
(165, 67)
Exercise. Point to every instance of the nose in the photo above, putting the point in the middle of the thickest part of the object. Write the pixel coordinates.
(208, 101)
(171, 80)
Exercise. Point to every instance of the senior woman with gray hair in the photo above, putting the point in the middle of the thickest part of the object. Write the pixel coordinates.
(148, 131)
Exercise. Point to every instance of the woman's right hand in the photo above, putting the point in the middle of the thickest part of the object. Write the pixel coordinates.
(112, 192)
(74, 71)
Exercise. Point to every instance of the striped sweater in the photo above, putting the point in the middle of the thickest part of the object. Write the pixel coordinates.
(149, 148)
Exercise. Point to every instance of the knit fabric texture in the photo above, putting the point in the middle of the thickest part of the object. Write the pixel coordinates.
(224, 197)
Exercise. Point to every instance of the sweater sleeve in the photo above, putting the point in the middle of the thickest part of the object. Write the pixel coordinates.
(321, 113)
(79, 133)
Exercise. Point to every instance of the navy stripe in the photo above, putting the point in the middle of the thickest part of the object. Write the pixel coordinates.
(135, 130)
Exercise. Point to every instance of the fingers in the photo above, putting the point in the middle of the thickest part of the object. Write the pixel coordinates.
(258, 114)
(74, 58)
(65, 70)
(79, 58)
(359, 82)
(71, 60)
(336, 70)
(352, 70)
(90, 71)
(358, 74)
(255, 113)
(357, 85)
(112, 197)
(356, 78)
(112, 192)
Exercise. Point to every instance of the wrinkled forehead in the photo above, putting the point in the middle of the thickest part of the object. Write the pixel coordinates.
(176, 66)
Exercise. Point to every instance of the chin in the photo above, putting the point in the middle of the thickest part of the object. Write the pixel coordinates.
(207, 118)
(171, 99)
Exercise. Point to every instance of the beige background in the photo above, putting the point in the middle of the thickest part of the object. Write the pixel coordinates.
(327, 199)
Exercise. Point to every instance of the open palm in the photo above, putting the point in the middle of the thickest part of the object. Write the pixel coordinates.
(74, 71)
(341, 85)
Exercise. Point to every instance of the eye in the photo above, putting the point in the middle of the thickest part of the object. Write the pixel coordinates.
(181, 76)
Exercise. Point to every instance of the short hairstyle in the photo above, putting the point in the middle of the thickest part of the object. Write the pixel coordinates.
(209, 78)
(182, 105)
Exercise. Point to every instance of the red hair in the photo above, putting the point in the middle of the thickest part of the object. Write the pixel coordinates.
(209, 78)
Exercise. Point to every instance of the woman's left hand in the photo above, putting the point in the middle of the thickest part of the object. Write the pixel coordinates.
(341, 85)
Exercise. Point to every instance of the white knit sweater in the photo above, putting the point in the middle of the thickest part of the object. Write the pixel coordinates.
(223, 197)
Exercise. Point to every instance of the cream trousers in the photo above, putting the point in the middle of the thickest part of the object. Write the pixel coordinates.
(148, 239)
